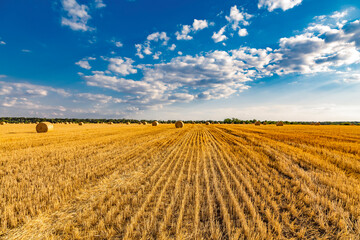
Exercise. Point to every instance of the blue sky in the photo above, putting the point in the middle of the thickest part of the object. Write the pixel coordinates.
(263, 59)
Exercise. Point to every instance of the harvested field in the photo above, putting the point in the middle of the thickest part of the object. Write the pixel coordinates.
(211, 182)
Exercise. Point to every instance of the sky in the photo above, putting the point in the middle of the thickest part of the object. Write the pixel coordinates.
(295, 60)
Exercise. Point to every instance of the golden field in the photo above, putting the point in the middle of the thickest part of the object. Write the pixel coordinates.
(101, 181)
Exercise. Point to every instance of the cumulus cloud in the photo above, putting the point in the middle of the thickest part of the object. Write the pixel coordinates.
(139, 48)
(157, 36)
(26, 90)
(24, 103)
(145, 48)
(352, 78)
(219, 36)
(271, 5)
(339, 15)
(100, 98)
(2, 43)
(187, 29)
(181, 97)
(157, 55)
(76, 15)
(200, 24)
(321, 47)
(122, 66)
(183, 35)
(118, 44)
(39, 100)
(172, 47)
(115, 83)
(242, 32)
(84, 64)
(236, 19)
(213, 75)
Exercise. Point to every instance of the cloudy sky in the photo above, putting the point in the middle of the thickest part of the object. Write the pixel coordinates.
(181, 59)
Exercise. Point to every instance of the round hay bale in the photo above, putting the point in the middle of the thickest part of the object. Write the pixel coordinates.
(264, 123)
(44, 127)
(279, 124)
(144, 123)
(317, 124)
(128, 123)
(207, 123)
(257, 123)
(192, 122)
(155, 123)
(2, 123)
(179, 124)
(111, 123)
(81, 123)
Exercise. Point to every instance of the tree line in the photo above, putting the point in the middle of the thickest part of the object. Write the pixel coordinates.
(25, 120)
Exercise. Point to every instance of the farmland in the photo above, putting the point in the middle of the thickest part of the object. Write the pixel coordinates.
(220, 181)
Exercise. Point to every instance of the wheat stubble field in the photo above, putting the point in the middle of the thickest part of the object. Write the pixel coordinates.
(198, 182)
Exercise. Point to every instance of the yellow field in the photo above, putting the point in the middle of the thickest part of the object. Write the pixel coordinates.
(101, 181)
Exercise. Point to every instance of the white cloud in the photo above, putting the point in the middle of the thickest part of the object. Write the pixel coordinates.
(84, 64)
(339, 14)
(138, 50)
(132, 109)
(219, 36)
(26, 104)
(221, 74)
(37, 92)
(214, 75)
(320, 48)
(352, 78)
(118, 44)
(145, 48)
(21, 90)
(220, 91)
(100, 98)
(236, 17)
(271, 5)
(180, 53)
(2, 43)
(157, 36)
(122, 66)
(242, 32)
(157, 55)
(182, 97)
(187, 29)
(183, 35)
(77, 16)
(99, 4)
(37, 100)
(199, 24)
(172, 47)
(26, 50)
(129, 86)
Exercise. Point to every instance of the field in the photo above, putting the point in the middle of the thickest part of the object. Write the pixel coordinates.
(101, 181)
